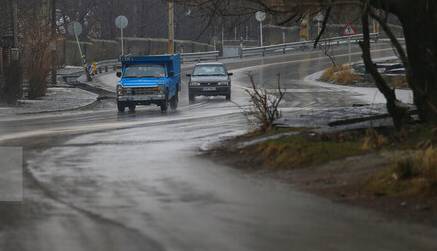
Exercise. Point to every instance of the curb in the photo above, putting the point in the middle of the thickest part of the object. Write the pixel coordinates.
(81, 107)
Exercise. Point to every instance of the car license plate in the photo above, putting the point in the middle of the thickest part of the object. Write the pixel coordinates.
(210, 89)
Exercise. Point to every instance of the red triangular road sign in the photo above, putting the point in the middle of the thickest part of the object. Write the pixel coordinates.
(349, 30)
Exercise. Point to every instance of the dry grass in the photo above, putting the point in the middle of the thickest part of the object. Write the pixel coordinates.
(373, 140)
(412, 173)
(301, 151)
(399, 82)
(342, 74)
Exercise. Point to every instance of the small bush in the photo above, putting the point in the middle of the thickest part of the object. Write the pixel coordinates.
(265, 104)
(404, 168)
(413, 174)
(373, 140)
(37, 55)
(342, 74)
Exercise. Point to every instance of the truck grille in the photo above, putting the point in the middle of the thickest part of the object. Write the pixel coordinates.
(143, 91)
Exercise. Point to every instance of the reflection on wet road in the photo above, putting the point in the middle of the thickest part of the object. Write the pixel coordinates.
(137, 182)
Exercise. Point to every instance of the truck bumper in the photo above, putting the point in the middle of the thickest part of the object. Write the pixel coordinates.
(140, 98)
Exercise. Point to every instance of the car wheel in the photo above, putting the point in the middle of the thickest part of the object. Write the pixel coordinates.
(121, 106)
(228, 97)
(192, 97)
(132, 108)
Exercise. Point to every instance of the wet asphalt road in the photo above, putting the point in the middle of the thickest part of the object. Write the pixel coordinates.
(98, 180)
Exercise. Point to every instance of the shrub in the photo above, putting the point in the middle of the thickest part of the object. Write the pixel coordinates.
(373, 140)
(37, 56)
(342, 74)
(412, 174)
(265, 104)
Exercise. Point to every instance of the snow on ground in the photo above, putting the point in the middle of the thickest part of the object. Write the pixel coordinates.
(57, 99)
(367, 95)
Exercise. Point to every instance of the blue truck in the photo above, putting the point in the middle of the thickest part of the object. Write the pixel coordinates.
(148, 80)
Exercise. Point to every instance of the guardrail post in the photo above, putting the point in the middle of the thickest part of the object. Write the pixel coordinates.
(284, 49)
(106, 68)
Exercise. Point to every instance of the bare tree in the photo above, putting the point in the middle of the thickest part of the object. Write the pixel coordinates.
(266, 103)
(417, 18)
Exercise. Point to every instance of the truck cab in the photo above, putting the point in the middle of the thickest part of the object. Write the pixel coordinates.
(149, 80)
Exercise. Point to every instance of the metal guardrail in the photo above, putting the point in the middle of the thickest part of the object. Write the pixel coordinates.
(284, 48)
(107, 65)
(113, 64)
(200, 56)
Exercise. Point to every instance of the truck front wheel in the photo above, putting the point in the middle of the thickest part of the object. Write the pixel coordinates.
(121, 106)
(174, 102)
(164, 105)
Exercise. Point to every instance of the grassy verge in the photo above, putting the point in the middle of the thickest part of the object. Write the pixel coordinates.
(392, 172)
(411, 168)
(303, 150)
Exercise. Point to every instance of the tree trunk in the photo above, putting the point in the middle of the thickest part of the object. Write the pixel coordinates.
(419, 22)
(399, 114)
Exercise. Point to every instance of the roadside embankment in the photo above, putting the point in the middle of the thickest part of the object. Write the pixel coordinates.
(391, 172)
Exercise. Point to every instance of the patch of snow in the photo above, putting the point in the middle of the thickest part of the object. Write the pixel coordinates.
(369, 95)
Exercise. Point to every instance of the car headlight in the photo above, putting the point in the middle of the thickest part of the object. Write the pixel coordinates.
(223, 83)
(194, 83)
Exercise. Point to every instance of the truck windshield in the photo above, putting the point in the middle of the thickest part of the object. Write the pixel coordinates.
(145, 71)
(209, 70)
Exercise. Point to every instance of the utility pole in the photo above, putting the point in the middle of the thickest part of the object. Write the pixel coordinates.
(54, 42)
(171, 31)
(14, 10)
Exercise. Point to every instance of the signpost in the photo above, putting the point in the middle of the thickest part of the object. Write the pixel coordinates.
(75, 28)
(121, 22)
(349, 30)
(319, 19)
(260, 17)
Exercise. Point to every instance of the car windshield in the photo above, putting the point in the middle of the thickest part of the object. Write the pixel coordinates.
(209, 70)
(145, 71)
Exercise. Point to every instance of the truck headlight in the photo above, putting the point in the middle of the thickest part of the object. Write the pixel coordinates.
(120, 90)
(162, 89)
(223, 83)
(194, 83)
